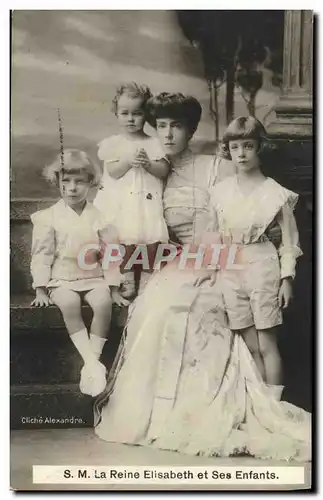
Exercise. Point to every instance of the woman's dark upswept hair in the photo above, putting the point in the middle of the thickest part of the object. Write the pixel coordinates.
(185, 109)
(243, 127)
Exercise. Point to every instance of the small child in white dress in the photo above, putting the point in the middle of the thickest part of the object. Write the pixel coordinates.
(61, 235)
(132, 187)
(245, 205)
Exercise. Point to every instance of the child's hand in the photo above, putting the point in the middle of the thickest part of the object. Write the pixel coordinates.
(141, 159)
(118, 299)
(41, 299)
(130, 157)
(285, 294)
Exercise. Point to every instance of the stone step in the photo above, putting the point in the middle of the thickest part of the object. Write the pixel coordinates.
(38, 335)
(45, 366)
(25, 317)
(47, 405)
(51, 358)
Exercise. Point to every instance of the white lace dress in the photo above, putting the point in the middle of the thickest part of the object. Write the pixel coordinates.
(133, 203)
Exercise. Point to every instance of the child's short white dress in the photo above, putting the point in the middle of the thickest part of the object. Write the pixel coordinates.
(251, 291)
(132, 203)
(66, 249)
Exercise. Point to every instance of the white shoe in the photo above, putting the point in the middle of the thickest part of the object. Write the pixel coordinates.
(85, 381)
(93, 378)
(99, 379)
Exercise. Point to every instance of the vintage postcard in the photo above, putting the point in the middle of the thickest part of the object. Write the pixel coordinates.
(161, 230)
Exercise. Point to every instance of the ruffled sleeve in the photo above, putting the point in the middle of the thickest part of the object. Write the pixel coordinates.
(289, 250)
(42, 248)
(109, 149)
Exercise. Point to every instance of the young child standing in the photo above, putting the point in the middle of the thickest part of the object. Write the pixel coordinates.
(245, 205)
(60, 235)
(134, 171)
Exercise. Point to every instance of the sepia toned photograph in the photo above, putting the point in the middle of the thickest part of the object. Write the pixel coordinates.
(162, 323)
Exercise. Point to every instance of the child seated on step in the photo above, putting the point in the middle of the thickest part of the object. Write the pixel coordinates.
(66, 263)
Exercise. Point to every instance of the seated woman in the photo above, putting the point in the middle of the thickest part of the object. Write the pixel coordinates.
(183, 381)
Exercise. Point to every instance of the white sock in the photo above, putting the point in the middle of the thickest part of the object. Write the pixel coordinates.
(82, 343)
(97, 344)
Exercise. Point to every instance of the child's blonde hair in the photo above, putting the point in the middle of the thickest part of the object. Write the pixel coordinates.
(73, 160)
(132, 90)
(243, 127)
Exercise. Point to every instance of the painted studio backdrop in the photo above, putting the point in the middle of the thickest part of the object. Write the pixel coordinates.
(73, 61)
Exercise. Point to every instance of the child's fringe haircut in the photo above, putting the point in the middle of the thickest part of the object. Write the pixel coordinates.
(74, 161)
(243, 127)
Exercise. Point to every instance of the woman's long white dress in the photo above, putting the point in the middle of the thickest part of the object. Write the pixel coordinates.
(183, 380)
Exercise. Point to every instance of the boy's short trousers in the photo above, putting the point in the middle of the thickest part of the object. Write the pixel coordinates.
(80, 286)
(251, 293)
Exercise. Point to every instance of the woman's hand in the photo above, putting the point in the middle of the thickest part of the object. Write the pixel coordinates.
(41, 299)
(285, 294)
(118, 299)
(209, 277)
